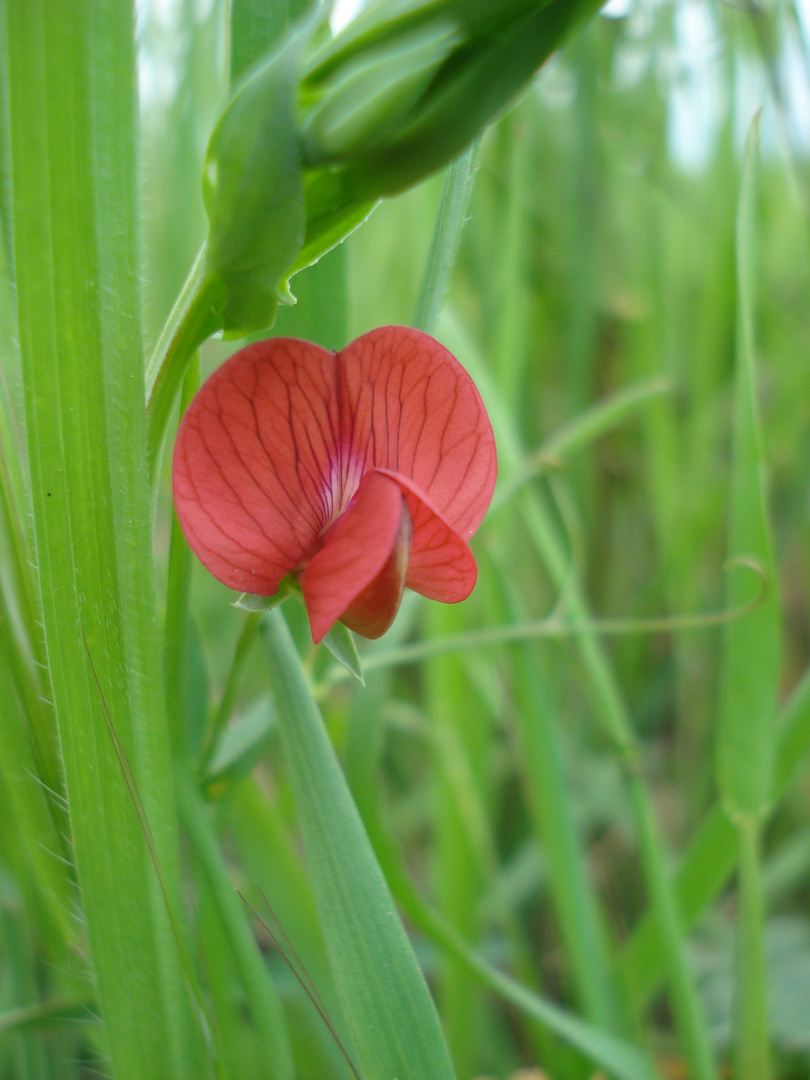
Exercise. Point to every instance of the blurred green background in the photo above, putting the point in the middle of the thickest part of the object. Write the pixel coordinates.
(498, 783)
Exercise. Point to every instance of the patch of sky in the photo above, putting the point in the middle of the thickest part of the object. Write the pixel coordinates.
(695, 86)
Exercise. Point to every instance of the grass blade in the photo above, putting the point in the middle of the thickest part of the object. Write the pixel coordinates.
(751, 661)
(387, 1006)
(72, 80)
(260, 991)
(614, 717)
(751, 646)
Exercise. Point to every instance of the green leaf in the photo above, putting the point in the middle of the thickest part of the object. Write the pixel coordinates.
(388, 1009)
(751, 664)
(74, 180)
(712, 854)
(751, 645)
(241, 744)
(341, 644)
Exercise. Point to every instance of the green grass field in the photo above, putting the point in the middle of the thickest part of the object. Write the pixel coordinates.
(577, 802)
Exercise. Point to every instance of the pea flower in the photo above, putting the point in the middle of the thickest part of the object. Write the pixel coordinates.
(358, 473)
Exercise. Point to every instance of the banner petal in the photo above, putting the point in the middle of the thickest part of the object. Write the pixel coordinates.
(407, 405)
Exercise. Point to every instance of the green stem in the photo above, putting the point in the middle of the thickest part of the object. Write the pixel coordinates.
(752, 1042)
(509, 333)
(688, 1014)
(179, 581)
(583, 430)
(192, 320)
(446, 237)
(221, 715)
(533, 629)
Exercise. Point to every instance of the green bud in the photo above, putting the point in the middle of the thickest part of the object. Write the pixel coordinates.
(452, 67)
(254, 192)
(363, 102)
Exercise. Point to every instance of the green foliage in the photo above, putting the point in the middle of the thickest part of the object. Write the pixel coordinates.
(375, 112)
(584, 788)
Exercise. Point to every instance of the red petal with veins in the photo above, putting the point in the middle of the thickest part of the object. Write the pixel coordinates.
(253, 462)
(359, 573)
(441, 565)
(407, 405)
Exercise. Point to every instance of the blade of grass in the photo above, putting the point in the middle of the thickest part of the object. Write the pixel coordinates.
(607, 1051)
(751, 646)
(461, 861)
(509, 332)
(72, 80)
(458, 871)
(548, 794)
(32, 810)
(389, 1013)
(751, 664)
(261, 993)
(273, 865)
(19, 954)
(222, 713)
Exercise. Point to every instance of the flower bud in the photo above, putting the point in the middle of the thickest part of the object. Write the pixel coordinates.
(363, 102)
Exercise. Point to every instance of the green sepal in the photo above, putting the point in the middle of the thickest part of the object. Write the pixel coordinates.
(251, 602)
(254, 192)
(341, 644)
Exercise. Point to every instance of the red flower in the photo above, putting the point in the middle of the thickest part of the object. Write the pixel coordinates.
(360, 472)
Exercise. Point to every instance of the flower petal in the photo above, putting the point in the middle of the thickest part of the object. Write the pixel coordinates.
(359, 573)
(441, 565)
(254, 460)
(407, 405)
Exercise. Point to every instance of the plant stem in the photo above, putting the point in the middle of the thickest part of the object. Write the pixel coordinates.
(446, 236)
(752, 1042)
(191, 321)
(179, 581)
(688, 1015)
